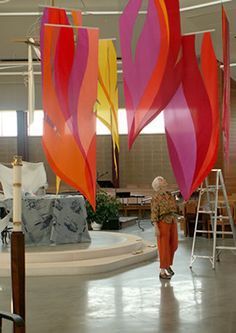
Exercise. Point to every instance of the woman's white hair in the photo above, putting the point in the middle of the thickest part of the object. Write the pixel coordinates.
(158, 183)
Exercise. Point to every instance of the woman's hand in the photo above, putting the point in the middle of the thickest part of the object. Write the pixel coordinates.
(157, 231)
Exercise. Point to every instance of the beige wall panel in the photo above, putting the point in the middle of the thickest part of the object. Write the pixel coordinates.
(147, 158)
(230, 169)
(8, 148)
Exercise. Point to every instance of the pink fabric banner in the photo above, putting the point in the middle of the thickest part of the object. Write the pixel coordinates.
(153, 73)
(192, 118)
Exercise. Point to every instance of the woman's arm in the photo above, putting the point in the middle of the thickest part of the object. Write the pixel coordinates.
(155, 212)
(157, 230)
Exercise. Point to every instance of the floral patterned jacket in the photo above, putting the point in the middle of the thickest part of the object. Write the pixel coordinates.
(163, 207)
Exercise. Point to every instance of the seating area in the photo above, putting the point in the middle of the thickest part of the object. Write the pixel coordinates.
(188, 211)
(136, 203)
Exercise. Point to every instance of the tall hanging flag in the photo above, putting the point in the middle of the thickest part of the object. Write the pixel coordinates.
(69, 93)
(226, 89)
(163, 73)
(54, 15)
(58, 183)
(107, 100)
(152, 73)
(192, 117)
(76, 17)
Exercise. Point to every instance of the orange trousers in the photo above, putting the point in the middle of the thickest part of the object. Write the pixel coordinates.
(167, 243)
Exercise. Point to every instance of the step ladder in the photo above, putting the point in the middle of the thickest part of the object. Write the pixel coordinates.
(211, 207)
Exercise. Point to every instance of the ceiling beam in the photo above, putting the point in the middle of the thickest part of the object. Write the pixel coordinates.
(184, 9)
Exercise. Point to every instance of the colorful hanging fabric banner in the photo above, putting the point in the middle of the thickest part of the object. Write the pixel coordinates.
(192, 118)
(107, 100)
(226, 88)
(163, 73)
(51, 16)
(151, 73)
(58, 184)
(77, 17)
(69, 93)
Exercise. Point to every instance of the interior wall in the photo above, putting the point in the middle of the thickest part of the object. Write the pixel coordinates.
(230, 168)
(8, 148)
(14, 93)
(147, 158)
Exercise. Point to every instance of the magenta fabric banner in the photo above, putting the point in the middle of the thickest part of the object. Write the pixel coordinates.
(192, 118)
(152, 72)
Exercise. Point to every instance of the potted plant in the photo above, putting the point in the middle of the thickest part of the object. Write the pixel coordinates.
(107, 211)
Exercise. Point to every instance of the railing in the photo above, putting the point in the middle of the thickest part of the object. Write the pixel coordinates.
(18, 322)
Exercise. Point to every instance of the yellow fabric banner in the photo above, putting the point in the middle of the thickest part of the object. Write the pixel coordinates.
(107, 100)
(58, 183)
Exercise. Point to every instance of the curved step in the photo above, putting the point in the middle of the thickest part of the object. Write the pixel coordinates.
(127, 250)
(123, 243)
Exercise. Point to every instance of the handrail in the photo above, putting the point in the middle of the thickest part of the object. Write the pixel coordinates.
(15, 318)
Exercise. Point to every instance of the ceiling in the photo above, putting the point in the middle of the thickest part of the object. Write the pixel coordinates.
(20, 19)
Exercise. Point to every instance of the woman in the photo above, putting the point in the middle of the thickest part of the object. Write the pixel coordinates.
(163, 211)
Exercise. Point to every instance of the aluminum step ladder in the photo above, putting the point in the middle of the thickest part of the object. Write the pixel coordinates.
(211, 207)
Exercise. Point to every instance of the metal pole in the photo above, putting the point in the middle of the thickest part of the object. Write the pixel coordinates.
(215, 220)
(228, 208)
(193, 257)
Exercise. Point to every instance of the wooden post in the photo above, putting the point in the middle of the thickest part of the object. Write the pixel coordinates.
(115, 175)
(17, 249)
(18, 276)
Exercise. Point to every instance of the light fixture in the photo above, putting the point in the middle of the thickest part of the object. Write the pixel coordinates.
(233, 64)
(198, 32)
(204, 5)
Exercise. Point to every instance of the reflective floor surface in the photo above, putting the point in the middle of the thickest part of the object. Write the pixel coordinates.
(198, 301)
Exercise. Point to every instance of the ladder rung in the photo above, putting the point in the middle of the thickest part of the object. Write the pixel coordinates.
(212, 187)
(217, 232)
(203, 257)
(204, 190)
(206, 211)
(223, 217)
(221, 206)
(225, 248)
(213, 207)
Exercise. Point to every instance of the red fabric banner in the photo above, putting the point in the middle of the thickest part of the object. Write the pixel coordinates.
(69, 93)
(192, 117)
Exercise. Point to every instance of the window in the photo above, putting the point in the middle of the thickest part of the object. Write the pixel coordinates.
(8, 123)
(155, 127)
(36, 128)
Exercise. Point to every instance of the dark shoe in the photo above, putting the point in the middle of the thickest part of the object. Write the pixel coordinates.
(165, 276)
(170, 271)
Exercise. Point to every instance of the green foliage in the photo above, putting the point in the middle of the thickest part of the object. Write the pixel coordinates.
(106, 207)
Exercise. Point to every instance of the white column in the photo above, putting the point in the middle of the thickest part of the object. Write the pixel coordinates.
(17, 194)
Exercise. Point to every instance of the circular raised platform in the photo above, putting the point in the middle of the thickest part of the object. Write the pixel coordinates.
(106, 252)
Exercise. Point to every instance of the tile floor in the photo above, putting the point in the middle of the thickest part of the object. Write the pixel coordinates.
(135, 300)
